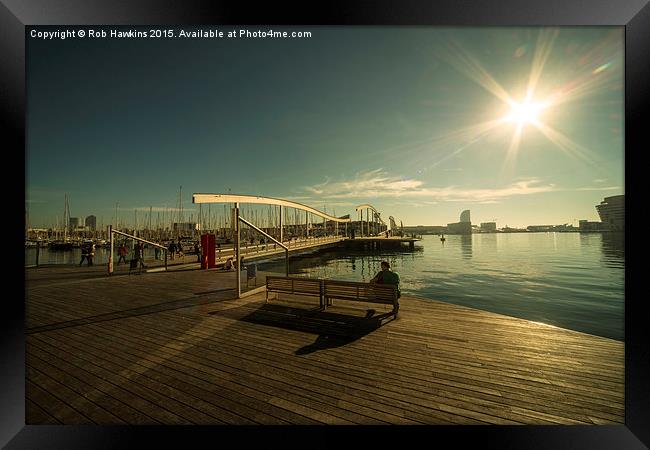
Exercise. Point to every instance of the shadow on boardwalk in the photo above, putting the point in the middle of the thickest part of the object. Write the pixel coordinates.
(333, 330)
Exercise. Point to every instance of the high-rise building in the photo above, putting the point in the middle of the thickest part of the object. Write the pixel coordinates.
(464, 216)
(91, 223)
(74, 222)
(612, 213)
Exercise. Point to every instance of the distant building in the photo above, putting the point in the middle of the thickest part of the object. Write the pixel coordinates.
(459, 228)
(489, 227)
(547, 228)
(585, 225)
(612, 213)
(538, 228)
(91, 223)
(74, 222)
(425, 229)
(462, 227)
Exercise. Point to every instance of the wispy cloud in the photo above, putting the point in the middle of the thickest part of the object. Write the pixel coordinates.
(379, 184)
(604, 188)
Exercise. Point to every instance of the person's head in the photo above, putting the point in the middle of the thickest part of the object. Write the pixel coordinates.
(385, 265)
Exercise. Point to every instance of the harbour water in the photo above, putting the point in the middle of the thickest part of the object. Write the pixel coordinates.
(569, 280)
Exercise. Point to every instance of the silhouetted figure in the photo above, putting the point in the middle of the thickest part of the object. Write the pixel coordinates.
(91, 254)
(228, 265)
(122, 252)
(197, 251)
(84, 254)
(172, 249)
(139, 254)
(179, 248)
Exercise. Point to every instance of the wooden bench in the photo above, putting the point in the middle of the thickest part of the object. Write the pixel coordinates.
(360, 292)
(295, 285)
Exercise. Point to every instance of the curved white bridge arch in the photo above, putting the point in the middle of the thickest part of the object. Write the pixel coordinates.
(237, 198)
(377, 214)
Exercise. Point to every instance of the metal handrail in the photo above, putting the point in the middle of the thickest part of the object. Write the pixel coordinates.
(111, 231)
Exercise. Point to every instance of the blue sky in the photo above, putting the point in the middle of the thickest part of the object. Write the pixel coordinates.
(417, 121)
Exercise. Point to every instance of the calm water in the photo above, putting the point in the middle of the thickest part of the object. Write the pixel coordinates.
(570, 280)
(74, 256)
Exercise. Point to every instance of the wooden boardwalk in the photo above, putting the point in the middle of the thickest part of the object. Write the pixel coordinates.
(176, 348)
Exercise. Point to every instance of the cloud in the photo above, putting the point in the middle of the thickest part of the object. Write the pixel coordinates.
(379, 184)
(608, 188)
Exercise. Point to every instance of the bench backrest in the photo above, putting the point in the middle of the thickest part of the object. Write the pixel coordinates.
(363, 292)
(294, 285)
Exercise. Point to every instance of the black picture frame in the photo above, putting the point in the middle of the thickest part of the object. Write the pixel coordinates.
(634, 15)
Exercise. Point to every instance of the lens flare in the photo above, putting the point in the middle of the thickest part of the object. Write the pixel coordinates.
(524, 113)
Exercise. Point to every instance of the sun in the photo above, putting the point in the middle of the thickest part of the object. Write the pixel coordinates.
(524, 113)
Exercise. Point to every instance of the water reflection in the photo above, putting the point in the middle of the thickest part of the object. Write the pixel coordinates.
(466, 245)
(613, 249)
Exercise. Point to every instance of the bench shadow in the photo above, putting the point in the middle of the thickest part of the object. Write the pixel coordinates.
(333, 330)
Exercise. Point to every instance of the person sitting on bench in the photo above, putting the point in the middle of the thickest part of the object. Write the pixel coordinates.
(386, 276)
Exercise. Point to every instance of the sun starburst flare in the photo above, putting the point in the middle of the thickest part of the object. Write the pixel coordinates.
(529, 110)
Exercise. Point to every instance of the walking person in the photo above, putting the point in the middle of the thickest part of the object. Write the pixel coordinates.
(156, 252)
(84, 254)
(139, 254)
(122, 252)
(91, 254)
(172, 249)
(179, 249)
(197, 251)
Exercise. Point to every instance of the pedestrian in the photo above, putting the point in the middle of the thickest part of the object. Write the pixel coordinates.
(84, 254)
(91, 254)
(228, 265)
(172, 249)
(139, 254)
(156, 252)
(122, 252)
(197, 251)
(179, 248)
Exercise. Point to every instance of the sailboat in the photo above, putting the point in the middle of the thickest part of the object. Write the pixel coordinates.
(64, 244)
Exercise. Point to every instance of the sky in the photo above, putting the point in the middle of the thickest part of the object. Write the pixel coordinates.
(522, 126)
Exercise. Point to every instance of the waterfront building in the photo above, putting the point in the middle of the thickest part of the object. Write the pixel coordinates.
(612, 213)
(489, 227)
(585, 225)
(74, 223)
(91, 223)
(425, 229)
(538, 228)
(462, 227)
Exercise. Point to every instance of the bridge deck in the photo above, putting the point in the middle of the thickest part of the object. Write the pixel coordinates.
(176, 348)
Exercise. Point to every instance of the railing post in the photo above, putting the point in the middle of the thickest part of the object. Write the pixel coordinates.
(110, 255)
(165, 259)
(38, 250)
(236, 249)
